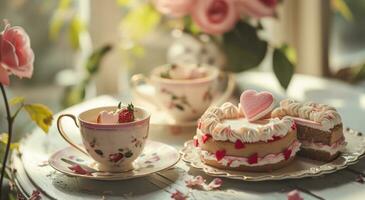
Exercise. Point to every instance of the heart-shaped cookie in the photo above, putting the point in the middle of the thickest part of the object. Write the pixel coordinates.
(256, 105)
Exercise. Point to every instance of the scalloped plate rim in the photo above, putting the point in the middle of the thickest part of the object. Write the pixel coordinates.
(298, 175)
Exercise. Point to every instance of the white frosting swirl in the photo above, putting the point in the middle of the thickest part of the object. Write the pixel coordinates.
(230, 111)
(323, 114)
(234, 161)
(224, 128)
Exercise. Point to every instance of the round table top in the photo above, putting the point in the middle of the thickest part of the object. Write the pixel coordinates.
(34, 174)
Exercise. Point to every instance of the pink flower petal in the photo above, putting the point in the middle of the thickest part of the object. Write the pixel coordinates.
(360, 179)
(215, 16)
(197, 181)
(8, 54)
(178, 195)
(4, 76)
(256, 8)
(79, 170)
(215, 184)
(175, 8)
(36, 195)
(16, 54)
(294, 195)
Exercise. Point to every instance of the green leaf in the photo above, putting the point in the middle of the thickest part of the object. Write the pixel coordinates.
(58, 19)
(290, 53)
(190, 26)
(74, 95)
(341, 7)
(93, 63)
(283, 68)
(124, 2)
(16, 100)
(359, 73)
(76, 28)
(4, 139)
(140, 21)
(243, 47)
(41, 115)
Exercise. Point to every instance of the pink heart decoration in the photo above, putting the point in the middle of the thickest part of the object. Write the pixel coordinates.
(256, 105)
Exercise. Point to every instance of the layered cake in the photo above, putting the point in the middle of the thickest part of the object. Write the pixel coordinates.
(319, 128)
(245, 137)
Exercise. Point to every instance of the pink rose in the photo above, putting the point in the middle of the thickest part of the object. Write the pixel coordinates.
(174, 8)
(215, 16)
(16, 55)
(257, 8)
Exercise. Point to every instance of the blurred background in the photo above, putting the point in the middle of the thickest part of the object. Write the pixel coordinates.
(86, 48)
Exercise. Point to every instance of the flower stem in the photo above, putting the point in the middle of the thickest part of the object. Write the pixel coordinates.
(10, 128)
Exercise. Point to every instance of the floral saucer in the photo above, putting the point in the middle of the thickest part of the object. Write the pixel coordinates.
(155, 157)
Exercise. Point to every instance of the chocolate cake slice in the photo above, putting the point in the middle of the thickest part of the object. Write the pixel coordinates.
(319, 128)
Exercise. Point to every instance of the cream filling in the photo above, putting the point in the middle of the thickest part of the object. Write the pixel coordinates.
(234, 161)
(334, 148)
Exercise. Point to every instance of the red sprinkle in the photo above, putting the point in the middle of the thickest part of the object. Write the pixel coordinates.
(252, 159)
(196, 142)
(287, 153)
(239, 144)
(205, 137)
(220, 154)
(294, 126)
(229, 163)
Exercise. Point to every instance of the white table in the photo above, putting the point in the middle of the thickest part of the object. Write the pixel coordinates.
(340, 185)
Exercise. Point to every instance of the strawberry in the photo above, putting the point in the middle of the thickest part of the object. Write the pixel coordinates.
(127, 114)
(294, 126)
(287, 153)
(196, 142)
(239, 144)
(252, 159)
(205, 137)
(220, 154)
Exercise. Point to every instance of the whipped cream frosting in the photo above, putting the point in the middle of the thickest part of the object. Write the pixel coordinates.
(226, 123)
(234, 161)
(332, 149)
(326, 116)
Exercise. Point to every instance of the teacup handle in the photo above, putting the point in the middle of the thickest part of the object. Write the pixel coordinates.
(231, 83)
(65, 136)
(138, 80)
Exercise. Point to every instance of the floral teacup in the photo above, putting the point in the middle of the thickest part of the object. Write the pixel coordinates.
(114, 147)
(183, 99)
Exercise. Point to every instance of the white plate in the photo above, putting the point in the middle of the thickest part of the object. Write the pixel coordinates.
(155, 157)
(299, 168)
